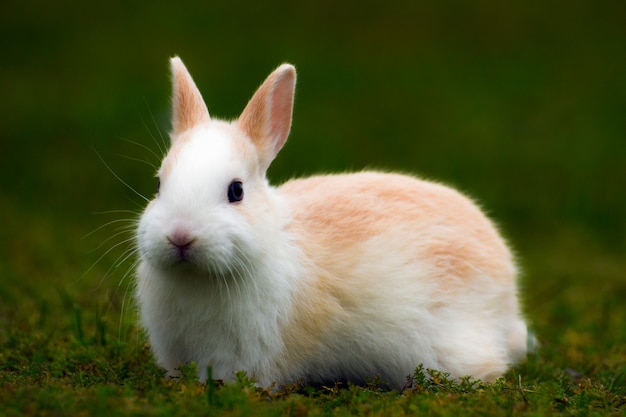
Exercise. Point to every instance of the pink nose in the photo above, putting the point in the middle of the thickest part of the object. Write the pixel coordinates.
(181, 238)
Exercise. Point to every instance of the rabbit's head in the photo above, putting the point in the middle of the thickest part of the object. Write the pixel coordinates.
(213, 212)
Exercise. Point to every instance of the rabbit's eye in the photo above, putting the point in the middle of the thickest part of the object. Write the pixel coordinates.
(235, 191)
(158, 185)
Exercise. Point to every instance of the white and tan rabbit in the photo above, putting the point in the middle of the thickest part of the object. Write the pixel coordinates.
(334, 277)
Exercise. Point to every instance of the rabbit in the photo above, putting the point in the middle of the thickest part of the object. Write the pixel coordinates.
(328, 278)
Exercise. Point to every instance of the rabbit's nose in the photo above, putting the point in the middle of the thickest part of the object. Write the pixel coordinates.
(181, 238)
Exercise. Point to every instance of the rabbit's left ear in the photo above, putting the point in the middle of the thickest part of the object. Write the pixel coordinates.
(267, 117)
(188, 108)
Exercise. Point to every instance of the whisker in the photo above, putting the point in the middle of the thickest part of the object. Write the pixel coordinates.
(112, 222)
(156, 125)
(224, 280)
(140, 206)
(121, 259)
(245, 274)
(120, 232)
(124, 304)
(143, 161)
(160, 144)
(117, 212)
(120, 179)
(124, 257)
(145, 125)
(147, 148)
(123, 242)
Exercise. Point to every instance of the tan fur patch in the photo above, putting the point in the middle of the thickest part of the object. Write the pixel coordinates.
(336, 215)
(314, 311)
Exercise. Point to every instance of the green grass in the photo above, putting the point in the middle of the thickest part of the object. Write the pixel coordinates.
(521, 105)
(84, 371)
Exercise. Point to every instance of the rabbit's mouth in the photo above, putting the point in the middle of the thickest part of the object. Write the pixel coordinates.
(196, 256)
(182, 247)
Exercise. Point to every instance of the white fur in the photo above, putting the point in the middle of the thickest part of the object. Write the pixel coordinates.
(267, 289)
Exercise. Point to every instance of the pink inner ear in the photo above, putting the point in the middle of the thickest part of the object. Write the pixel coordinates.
(188, 107)
(281, 110)
(267, 117)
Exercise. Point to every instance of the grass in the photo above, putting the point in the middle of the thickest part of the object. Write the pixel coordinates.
(520, 104)
(83, 372)
(62, 354)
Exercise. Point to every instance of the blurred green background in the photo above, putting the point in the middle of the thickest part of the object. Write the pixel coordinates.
(520, 104)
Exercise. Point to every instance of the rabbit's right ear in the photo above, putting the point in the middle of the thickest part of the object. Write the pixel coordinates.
(267, 117)
(188, 107)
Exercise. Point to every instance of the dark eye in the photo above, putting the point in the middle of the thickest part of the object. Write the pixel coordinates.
(235, 191)
(158, 185)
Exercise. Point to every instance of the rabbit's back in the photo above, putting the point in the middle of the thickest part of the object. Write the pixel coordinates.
(405, 272)
(340, 214)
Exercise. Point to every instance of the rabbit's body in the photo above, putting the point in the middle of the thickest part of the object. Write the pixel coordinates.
(337, 277)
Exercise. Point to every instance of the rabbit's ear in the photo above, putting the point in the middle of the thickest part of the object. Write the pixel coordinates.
(267, 117)
(188, 108)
